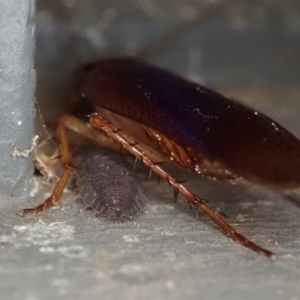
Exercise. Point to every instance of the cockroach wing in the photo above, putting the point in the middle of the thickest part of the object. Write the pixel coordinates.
(240, 139)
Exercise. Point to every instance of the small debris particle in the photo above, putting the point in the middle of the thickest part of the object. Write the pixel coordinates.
(25, 153)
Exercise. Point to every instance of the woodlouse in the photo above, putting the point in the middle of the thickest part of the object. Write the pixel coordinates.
(106, 184)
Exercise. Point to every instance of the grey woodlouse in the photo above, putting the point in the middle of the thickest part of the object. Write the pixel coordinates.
(106, 184)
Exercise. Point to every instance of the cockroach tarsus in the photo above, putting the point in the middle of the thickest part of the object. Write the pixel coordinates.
(154, 115)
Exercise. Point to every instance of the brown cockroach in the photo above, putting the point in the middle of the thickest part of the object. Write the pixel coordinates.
(196, 127)
(159, 117)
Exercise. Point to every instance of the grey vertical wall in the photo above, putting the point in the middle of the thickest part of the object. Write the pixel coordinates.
(17, 84)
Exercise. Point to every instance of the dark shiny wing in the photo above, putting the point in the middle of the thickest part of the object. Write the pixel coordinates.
(240, 139)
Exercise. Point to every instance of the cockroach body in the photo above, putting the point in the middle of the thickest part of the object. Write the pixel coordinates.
(202, 123)
(159, 117)
(106, 184)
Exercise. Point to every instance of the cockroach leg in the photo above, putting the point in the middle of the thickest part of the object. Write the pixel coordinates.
(66, 162)
(134, 165)
(187, 158)
(127, 142)
(85, 129)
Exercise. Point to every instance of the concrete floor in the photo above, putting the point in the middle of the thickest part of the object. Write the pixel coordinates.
(66, 253)
(166, 253)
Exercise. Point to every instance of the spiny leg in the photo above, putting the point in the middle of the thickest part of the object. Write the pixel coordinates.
(66, 159)
(189, 158)
(137, 150)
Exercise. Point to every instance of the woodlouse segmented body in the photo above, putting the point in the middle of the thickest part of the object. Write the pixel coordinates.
(107, 185)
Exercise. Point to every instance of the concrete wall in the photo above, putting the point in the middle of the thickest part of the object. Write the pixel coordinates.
(17, 85)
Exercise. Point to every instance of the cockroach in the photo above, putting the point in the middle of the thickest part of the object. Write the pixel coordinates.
(182, 121)
(159, 117)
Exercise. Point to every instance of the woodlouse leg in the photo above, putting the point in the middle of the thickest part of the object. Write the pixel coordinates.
(66, 162)
(137, 150)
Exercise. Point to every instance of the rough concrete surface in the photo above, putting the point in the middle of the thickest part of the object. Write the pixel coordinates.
(66, 253)
(17, 84)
